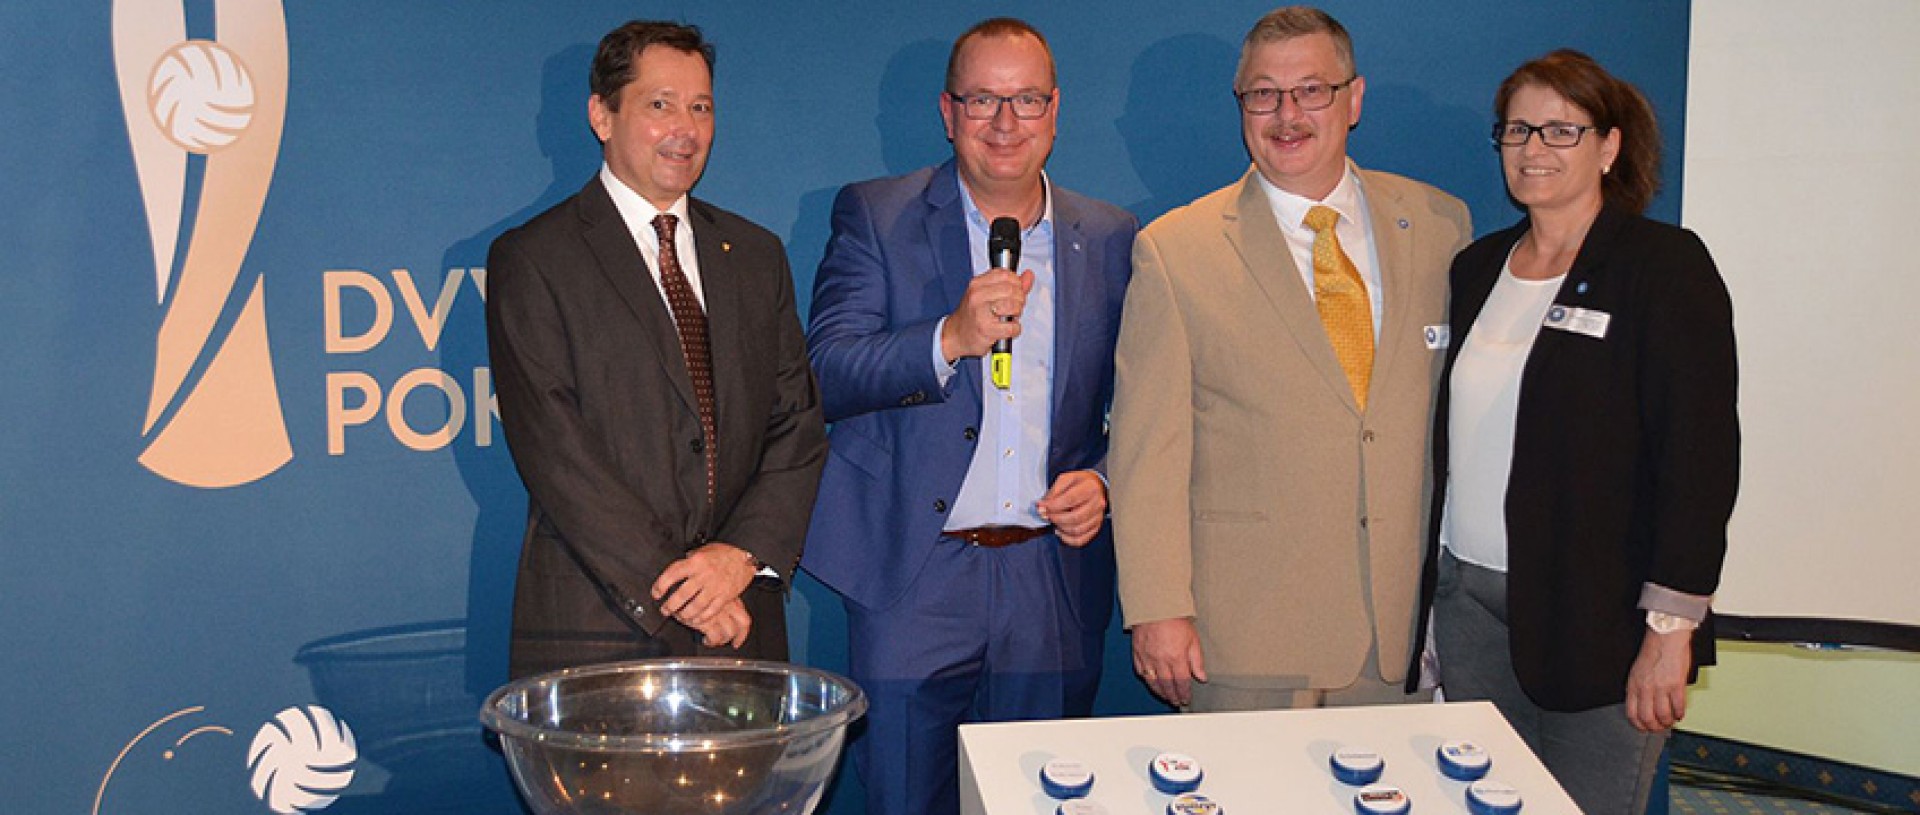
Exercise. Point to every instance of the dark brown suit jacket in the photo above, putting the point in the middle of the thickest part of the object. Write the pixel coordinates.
(600, 416)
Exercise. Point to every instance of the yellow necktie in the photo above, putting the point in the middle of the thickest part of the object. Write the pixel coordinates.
(1341, 297)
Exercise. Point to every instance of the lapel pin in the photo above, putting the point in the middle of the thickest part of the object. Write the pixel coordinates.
(1580, 289)
(725, 246)
(1076, 246)
(1403, 223)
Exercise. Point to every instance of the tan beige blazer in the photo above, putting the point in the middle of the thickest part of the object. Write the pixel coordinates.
(1249, 490)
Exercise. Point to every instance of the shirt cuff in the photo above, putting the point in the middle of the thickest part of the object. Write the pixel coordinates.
(941, 370)
(1655, 597)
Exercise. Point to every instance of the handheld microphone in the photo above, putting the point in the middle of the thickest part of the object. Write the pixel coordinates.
(1003, 252)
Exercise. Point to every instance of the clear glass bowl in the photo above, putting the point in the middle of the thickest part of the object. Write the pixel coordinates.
(674, 737)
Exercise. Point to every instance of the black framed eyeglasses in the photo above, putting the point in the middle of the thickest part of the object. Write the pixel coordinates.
(1311, 96)
(987, 105)
(1552, 134)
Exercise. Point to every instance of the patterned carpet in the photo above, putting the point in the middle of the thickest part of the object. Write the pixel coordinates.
(1699, 801)
(1713, 776)
(1699, 791)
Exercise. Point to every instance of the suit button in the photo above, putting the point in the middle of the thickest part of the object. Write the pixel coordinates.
(1363, 522)
(1368, 436)
(939, 505)
(632, 607)
(970, 434)
(699, 445)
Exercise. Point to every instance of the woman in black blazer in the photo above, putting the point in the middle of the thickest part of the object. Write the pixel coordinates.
(1586, 444)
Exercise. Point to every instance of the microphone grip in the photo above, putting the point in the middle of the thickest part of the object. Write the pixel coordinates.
(1002, 257)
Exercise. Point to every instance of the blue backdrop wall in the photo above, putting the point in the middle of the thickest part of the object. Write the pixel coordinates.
(253, 479)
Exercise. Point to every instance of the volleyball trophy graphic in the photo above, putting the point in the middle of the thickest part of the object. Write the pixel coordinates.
(210, 110)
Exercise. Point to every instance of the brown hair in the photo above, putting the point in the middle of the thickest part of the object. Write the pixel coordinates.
(998, 27)
(1614, 104)
(613, 63)
(1287, 23)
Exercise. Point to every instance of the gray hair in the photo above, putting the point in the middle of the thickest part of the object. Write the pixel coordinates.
(1287, 23)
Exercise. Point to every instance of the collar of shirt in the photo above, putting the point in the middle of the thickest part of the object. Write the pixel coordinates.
(638, 214)
(1291, 210)
(1354, 228)
(1043, 228)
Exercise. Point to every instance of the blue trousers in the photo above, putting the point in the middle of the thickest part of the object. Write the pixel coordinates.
(984, 635)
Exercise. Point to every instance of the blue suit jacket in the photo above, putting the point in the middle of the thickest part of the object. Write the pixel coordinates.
(898, 261)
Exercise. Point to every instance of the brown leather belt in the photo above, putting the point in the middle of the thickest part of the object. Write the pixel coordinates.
(995, 537)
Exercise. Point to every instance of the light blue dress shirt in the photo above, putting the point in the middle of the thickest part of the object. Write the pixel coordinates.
(1008, 474)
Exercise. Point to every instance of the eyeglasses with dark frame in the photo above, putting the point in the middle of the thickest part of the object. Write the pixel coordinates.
(1310, 96)
(1552, 134)
(982, 106)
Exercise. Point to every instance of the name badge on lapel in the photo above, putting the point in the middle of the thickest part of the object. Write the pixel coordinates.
(1439, 337)
(1578, 320)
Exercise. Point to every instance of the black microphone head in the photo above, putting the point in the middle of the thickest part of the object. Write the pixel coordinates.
(1006, 229)
(1003, 238)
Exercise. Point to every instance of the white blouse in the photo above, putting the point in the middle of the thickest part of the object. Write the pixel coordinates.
(1483, 395)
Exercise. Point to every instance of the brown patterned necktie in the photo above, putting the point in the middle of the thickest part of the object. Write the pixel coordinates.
(691, 321)
(1341, 297)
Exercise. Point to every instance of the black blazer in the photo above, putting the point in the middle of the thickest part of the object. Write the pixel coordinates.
(600, 416)
(1626, 453)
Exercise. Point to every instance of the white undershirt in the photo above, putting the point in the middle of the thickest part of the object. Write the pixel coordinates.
(1483, 396)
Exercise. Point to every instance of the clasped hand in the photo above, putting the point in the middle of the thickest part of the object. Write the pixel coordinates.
(702, 590)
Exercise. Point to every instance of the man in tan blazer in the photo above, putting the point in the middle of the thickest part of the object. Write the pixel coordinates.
(1276, 369)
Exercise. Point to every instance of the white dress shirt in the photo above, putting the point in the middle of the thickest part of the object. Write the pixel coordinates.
(1008, 473)
(638, 213)
(1355, 230)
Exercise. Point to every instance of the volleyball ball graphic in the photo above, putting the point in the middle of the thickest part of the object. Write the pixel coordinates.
(201, 96)
(302, 760)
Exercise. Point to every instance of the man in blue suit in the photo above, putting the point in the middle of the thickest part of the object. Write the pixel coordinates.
(963, 522)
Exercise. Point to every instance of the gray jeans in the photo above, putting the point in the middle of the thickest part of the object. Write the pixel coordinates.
(1603, 761)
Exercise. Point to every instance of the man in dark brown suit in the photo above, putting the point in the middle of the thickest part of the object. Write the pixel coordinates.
(654, 388)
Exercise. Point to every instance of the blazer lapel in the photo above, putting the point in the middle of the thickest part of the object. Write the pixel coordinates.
(1601, 238)
(1253, 233)
(626, 271)
(725, 332)
(1394, 230)
(1073, 293)
(946, 226)
(1475, 285)
(1584, 276)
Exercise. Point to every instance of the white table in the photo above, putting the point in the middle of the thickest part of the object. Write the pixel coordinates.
(1260, 763)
